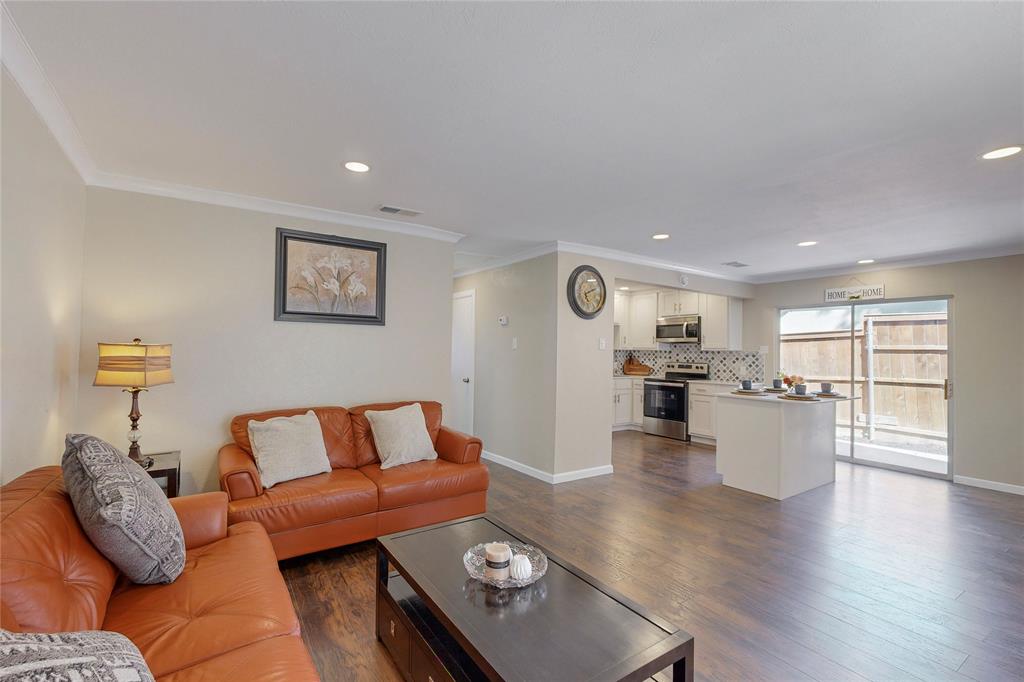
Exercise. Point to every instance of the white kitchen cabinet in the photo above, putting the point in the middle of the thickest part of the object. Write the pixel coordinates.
(677, 302)
(638, 402)
(620, 314)
(622, 402)
(701, 420)
(643, 318)
(721, 322)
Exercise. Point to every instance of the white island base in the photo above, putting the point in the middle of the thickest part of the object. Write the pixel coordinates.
(775, 447)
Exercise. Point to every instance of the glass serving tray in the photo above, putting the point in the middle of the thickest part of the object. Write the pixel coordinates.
(475, 561)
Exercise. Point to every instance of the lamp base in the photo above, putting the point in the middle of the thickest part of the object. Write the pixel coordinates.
(135, 454)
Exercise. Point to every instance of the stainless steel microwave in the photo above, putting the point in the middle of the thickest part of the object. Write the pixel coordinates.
(678, 329)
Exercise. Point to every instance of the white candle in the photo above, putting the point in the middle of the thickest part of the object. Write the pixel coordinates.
(498, 557)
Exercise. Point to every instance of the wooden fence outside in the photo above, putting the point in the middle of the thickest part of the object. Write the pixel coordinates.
(910, 364)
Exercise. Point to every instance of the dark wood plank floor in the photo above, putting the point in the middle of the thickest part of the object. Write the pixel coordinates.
(882, 576)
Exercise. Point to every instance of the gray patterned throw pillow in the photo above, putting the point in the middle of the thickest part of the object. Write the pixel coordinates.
(123, 511)
(71, 657)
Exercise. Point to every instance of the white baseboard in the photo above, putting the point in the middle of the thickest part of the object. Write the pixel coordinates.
(990, 485)
(543, 475)
(627, 427)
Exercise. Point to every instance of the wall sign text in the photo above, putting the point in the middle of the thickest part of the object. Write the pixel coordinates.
(864, 292)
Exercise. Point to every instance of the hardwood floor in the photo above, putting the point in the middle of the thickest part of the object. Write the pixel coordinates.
(882, 576)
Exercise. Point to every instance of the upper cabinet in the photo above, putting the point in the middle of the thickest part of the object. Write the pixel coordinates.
(721, 322)
(677, 302)
(636, 315)
(643, 317)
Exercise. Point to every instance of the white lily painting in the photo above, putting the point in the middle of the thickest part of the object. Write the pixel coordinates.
(326, 278)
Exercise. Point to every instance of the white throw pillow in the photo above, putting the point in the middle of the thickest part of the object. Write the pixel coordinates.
(286, 448)
(401, 435)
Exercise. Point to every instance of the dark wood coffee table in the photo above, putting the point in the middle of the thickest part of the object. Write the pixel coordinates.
(438, 624)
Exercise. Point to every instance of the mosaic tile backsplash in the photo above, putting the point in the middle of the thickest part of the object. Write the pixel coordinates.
(724, 365)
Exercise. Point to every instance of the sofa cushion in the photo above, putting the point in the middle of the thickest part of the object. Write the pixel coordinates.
(88, 655)
(123, 510)
(400, 435)
(51, 577)
(286, 448)
(365, 450)
(231, 594)
(339, 494)
(425, 482)
(278, 659)
(334, 421)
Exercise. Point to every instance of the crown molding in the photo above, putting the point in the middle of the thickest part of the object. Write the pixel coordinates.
(518, 257)
(21, 62)
(636, 259)
(216, 197)
(24, 67)
(934, 259)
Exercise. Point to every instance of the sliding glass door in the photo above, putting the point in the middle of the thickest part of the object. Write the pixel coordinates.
(894, 358)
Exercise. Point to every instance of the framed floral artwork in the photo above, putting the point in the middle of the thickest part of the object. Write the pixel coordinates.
(324, 278)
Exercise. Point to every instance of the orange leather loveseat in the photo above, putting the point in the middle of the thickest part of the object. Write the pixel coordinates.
(357, 500)
(228, 616)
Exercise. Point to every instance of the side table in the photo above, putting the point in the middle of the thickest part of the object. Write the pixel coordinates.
(166, 465)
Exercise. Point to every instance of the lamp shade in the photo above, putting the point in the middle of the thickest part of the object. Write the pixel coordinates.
(134, 365)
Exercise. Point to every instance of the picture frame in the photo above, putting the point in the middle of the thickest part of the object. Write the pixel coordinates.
(327, 278)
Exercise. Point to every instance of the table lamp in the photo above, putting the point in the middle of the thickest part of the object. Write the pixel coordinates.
(134, 367)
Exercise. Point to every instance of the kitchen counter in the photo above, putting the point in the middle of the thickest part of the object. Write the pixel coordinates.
(775, 447)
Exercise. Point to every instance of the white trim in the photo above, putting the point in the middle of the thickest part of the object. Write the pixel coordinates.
(24, 67)
(583, 473)
(465, 293)
(990, 485)
(251, 203)
(627, 427)
(469, 294)
(526, 254)
(935, 259)
(519, 466)
(553, 479)
(627, 257)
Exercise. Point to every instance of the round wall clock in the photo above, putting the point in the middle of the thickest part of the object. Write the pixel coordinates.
(586, 292)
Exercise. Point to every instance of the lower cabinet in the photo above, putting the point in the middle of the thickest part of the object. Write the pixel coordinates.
(628, 402)
(702, 417)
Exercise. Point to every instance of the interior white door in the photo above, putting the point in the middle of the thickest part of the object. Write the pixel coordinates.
(460, 416)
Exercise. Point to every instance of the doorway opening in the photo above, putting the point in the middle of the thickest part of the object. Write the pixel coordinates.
(894, 357)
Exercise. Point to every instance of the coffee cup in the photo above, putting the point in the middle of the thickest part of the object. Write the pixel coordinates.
(746, 384)
(826, 387)
(776, 383)
(800, 389)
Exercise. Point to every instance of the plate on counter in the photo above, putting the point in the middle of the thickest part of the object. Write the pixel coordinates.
(804, 398)
(772, 389)
(822, 394)
(748, 391)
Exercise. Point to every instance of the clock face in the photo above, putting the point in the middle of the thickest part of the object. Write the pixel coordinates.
(586, 292)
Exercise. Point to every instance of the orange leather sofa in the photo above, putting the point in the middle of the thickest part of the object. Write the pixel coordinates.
(227, 617)
(357, 500)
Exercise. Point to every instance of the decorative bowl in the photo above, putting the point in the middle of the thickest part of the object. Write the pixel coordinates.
(474, 560)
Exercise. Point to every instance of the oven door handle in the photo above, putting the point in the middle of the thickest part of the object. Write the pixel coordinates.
(677, 384)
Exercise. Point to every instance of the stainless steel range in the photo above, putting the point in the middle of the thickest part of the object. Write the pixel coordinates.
(666, 401)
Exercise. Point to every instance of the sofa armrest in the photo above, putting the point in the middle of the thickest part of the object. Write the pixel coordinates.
(203, 517)
(239, 477)
(455, 446)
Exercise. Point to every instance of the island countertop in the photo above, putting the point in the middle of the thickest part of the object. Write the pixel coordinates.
(775, 398)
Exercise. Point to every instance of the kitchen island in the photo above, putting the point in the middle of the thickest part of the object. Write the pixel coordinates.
(776, 447)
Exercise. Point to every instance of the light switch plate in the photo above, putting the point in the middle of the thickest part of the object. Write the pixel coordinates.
(602, 343)
(515, 343)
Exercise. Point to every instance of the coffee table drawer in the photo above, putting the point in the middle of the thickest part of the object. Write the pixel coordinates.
(393, 633)
(425, 667)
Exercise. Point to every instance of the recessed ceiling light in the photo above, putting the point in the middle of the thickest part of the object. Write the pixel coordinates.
(865, 261)
(806, 243)
(660, 235)
(623, 288)
(357, 167)
(1001, 153)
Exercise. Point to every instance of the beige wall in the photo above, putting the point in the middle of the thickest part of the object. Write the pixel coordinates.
(201, 277)
(987, 338)
(514, 398)
(43, 223)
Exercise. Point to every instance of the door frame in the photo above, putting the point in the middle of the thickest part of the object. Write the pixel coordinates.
(471, 295)
(950, 362)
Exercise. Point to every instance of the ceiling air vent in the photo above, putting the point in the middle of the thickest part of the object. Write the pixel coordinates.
(397, 210)
(736, 264)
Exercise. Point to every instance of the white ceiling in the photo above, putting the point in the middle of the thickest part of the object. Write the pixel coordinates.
(738, 128)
